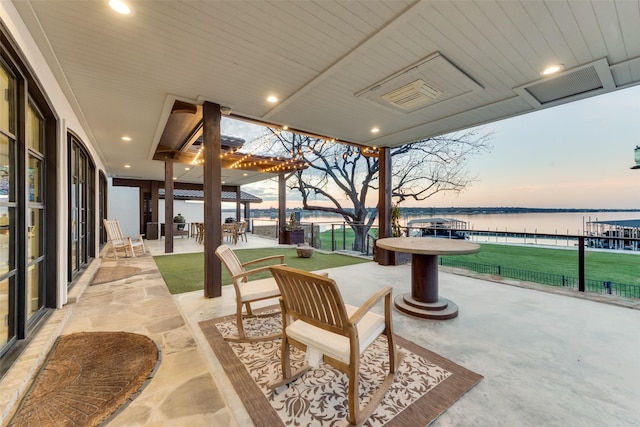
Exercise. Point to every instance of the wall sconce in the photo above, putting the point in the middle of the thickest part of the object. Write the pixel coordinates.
(636, 153)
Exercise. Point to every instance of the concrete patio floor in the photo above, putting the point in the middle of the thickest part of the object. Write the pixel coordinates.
(547, 359)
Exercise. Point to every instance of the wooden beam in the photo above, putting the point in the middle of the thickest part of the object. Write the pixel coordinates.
(384, 257)
(168, 208)
(155, 202)
(211, 143)
(238, 201)
(282, 206)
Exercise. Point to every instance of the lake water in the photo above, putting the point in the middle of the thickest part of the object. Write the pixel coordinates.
(573, 223)
(552, 223)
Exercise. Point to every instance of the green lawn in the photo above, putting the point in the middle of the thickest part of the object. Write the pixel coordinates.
(185, 272)
(602, 266)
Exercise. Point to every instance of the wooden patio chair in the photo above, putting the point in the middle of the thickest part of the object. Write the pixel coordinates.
(248, 291)
(199, 232)
(316, 320)
(230, 232)
(242, 231)
(118, 241)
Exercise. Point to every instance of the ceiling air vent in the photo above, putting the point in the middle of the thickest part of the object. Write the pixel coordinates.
(423, 84)
(413, 95)
(580, 82)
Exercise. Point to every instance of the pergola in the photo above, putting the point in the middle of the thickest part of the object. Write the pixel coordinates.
(192, 136)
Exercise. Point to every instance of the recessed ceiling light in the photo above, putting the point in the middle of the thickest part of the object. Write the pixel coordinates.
(126, 138)
(285, 127)
(127, 166)
(187, 169)
(272, 99)
(245, 174)
(174, 178)
(223, 182)
(552, 69)
(375, 130)
(120, 7)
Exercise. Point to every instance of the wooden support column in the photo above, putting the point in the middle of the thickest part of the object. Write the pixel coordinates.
(282, 206)
(238, 199)
(168, 208)
(384, 257)
(212, 186)
(247, 215)
(155, 204)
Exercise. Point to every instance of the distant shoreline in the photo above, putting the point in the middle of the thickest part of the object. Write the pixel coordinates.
(479, 210)
(501, 210)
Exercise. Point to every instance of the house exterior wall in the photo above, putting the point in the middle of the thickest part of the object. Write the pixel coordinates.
(67, 120)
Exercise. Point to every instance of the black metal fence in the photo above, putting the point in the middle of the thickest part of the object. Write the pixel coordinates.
(596, 286)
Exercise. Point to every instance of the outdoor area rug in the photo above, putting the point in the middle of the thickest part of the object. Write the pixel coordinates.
(87, 378)
(426, 384)
(110, 274)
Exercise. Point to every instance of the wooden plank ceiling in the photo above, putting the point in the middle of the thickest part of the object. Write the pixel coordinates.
(330, 63)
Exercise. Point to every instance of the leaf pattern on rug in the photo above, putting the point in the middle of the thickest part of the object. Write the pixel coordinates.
(319, 397)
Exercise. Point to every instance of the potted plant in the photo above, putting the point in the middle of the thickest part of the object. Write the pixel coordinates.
(180, 220)
(395, 258)
(293, 233)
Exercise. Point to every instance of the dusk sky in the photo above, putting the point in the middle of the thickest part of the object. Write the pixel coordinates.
(576, 155)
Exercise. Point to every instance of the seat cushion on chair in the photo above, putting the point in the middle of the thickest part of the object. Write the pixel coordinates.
(335, 345)
(259, 289)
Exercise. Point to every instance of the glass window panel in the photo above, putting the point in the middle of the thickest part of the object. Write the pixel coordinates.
(5, 169)
(4, 312)
(6, 240)
(81, 167)
(35, 179)
(34, 234)
(7, 103)
(33, 289)
(34, 129)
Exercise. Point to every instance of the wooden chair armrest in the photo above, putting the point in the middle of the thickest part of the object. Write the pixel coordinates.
(259, 269)
(368, 304)
(267, 258)
(253, 271)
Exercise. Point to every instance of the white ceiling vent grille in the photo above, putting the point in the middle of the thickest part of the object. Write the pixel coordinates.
(571, 85)
(430, 81)
(413, 95)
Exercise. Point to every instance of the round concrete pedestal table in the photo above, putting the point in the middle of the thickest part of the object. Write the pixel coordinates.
(424, 301)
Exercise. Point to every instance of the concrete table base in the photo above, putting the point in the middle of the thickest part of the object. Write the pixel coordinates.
(440, 310)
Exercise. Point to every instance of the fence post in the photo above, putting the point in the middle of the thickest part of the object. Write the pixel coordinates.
(344, 236)
(333, 240)
(312, 239)
(499, 271)
(581, 263)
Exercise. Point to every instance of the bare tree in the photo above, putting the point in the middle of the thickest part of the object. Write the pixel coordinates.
(343, 175)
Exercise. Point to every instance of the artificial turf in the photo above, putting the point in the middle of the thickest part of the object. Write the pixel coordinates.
(185, 272)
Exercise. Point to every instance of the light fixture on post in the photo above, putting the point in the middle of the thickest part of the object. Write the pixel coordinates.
(636, 152)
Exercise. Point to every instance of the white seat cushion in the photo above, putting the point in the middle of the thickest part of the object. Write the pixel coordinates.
(259, 289)
(334, 345)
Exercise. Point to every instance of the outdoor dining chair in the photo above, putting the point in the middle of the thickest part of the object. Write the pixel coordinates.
(249, 291)
(230, 232)
(316, 320)
(242, 230)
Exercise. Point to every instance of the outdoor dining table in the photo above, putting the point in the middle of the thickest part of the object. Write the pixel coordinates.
(424, 301)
